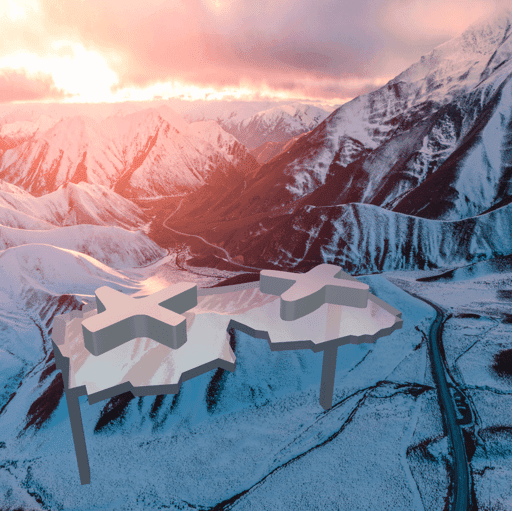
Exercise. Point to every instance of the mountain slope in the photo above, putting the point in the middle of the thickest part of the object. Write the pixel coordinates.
(75, 149)
(402, 133)
(71, 204)
(434, 142)
(268, 150)
(149, 152)
(363, 238)
(19, 127)
(277, 124)
(111, 246)
(476, 175)
(231, 149)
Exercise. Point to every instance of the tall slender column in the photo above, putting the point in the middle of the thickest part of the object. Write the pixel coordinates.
(332, 331)
(328, 373)
(77, 429)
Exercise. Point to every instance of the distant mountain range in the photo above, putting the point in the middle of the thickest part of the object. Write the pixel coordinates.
(256, 123)
(70, 204)
(433, 143)
(275, 125)
(415, 175)
(362, 187)
(143, 154)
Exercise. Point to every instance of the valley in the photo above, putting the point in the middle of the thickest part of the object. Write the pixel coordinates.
(406, 186)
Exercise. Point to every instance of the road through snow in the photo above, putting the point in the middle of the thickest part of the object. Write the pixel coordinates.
(228, 257)
(461, 477)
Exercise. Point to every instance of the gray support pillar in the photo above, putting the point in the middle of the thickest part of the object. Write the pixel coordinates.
(328, 373)
(77, 429)
(332, 331)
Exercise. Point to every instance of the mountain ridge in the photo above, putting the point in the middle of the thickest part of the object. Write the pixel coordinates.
(436, 147)
(277, 124)
(148, 152)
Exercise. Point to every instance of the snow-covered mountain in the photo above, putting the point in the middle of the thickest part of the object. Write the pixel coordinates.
(220, 111)
(265, 152)
(232, 150)
(434, 142)
(431, 123)
(396, 138)
(70, 204)
(176, 159)
(150, 152)
(277, 124)
(364, 238)
(112, 246)
(413, 176)
(252, 438)
(21, 126)
(271, 399)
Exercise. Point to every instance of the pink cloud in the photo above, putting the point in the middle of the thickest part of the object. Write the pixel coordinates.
(16, 86)
(223, 43)
(189, 42)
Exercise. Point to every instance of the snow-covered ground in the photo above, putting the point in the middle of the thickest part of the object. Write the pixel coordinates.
(257, 436)
(475, 336)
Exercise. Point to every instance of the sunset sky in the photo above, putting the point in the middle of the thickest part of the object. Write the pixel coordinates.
(311, 50)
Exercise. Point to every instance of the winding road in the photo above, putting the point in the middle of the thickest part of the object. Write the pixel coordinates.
(228, 257)
(461, 477)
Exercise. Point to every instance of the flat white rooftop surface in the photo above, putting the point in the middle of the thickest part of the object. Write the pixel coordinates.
(153, 368)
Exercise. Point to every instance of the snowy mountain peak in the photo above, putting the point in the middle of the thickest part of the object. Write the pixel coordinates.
(172, 117)
(499, 20)
(276, 124)
(230, 148)
(155, 115)
(17, 128)
(462, 62)
(69, 130)
(297, 115)
(211, 132)
(148, 152)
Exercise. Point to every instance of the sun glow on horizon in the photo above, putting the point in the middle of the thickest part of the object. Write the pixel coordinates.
(87, 78)
(70, 71)
(78, 51)
(18, 10)
(82, 73)
(190, 92)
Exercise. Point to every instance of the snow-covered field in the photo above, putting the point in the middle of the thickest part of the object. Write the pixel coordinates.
(474, 337)
(257, 437)
(432, 146)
